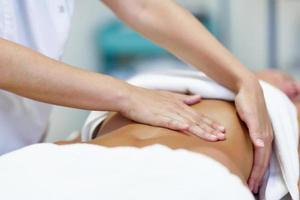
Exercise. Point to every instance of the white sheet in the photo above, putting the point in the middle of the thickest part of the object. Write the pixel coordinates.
(82, 171)
(283, 174)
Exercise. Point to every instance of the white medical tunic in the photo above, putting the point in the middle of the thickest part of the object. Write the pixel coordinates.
(41, 25)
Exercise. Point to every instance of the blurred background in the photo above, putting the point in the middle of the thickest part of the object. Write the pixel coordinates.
(261, 33)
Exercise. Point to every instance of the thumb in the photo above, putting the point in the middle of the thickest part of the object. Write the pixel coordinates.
(258, 142)
(254, 131)
(189, 99)
(255, 134)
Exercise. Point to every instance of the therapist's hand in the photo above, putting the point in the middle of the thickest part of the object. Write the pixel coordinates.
(170, 110)
(251, 108)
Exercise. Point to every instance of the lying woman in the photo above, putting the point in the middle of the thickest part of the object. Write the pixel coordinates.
(234, 150)
(197, 169)
(118, 131)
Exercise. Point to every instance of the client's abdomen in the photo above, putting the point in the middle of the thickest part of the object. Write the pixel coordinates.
(235, 152)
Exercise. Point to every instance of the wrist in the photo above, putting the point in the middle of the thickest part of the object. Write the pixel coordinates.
(112, 94)
(251, 86)
(246, 81)
(122, 99)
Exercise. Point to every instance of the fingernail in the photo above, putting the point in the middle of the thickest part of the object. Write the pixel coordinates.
(222, 128)
(193, 99)
(213, 137)
(255, 190)
(260, 142)
(221, 136)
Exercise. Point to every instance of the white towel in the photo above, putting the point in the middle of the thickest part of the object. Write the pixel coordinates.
(91, 172)
(283, 174)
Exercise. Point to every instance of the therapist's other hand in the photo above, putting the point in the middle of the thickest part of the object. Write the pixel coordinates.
(172, 111)
(251, 108)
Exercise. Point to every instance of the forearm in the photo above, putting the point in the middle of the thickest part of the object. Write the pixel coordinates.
(176, 30)
(35, 76)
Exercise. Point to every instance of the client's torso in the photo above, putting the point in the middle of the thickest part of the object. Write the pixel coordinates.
(235, 152)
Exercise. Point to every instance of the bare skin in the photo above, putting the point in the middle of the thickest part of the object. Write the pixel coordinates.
(285, 83)
(288, 85)
(158, 21)
(119, 131)
(235, 153)
(31, 75)
(282, 81)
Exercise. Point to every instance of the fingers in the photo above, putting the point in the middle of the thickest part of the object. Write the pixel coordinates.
(204, 134)
(169, 110)
(208, 126)
(191, 100)
(186, 127)
(262, 151)
(199, 118)
(262, 141)
(212, 124)
(253, 126)
(188, 99)
(258, 142)
(204, 128)
(173, 124)
(251, 107)
(261, 159)
(199, 126)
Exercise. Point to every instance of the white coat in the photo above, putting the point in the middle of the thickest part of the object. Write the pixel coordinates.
(41, 25)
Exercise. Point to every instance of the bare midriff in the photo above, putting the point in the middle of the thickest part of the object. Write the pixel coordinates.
(235, 152)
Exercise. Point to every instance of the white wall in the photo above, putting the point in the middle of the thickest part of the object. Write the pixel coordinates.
(242, 24)
(248, 32)
(289, 34)
(249, 36)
